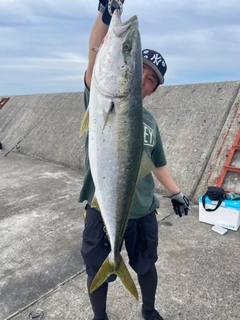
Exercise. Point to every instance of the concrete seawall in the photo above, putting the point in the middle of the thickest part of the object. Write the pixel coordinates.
(47, 127)
(41, 222)
(198, 124)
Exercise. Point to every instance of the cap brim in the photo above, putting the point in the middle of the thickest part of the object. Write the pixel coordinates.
(155, 69)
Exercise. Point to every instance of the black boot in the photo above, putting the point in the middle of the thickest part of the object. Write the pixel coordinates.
(105, 318)
(150, 314)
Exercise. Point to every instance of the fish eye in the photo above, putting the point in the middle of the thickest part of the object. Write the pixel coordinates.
(126, 46)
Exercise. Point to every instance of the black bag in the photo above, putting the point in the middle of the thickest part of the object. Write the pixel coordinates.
(216, 194)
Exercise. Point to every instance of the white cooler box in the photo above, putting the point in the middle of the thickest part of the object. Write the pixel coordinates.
(226, 216)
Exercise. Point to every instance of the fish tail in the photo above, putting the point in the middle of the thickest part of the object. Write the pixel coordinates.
(119, 268)
(124, 275)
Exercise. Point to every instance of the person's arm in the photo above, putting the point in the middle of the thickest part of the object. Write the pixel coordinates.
(163, 176)
(97, 35)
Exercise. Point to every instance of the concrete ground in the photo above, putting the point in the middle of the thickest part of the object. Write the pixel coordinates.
(41, 266)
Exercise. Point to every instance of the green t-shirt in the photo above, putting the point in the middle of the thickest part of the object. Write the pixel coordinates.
(145, 200)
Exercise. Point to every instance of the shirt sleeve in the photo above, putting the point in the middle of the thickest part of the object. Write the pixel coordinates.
(158, 155)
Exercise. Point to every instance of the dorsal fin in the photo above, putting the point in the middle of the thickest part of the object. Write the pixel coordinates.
(85, 123)
(146, 166)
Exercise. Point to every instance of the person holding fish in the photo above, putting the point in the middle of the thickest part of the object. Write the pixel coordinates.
(123, 151)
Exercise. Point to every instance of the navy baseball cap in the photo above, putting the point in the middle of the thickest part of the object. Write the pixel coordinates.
(155, 61)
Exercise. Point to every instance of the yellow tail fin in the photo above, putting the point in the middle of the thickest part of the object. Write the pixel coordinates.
(119, 268)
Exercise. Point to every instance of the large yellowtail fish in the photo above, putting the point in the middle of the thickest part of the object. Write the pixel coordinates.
(115, 121)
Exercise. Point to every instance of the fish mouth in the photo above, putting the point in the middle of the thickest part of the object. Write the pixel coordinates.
(120, 27)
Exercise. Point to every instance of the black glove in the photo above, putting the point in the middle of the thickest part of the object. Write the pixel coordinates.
(103, 7)
(180, 204)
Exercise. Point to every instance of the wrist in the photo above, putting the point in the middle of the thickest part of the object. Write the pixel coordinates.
(175, 192)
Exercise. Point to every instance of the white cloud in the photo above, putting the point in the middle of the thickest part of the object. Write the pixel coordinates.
(38, 63)
(47, 41)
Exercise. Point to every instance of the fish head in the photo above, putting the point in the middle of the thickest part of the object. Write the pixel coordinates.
(118, 65)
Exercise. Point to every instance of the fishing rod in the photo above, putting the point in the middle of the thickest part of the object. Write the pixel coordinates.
(16, 146)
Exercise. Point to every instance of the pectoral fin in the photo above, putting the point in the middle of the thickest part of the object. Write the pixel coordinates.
(110, 111)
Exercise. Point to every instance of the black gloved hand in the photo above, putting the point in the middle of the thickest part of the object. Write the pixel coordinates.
(103, 7)
(180, 204)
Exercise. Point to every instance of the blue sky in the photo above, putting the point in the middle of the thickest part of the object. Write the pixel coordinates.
(44, 43)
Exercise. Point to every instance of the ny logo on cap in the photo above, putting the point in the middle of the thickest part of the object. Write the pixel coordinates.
(156, 58)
